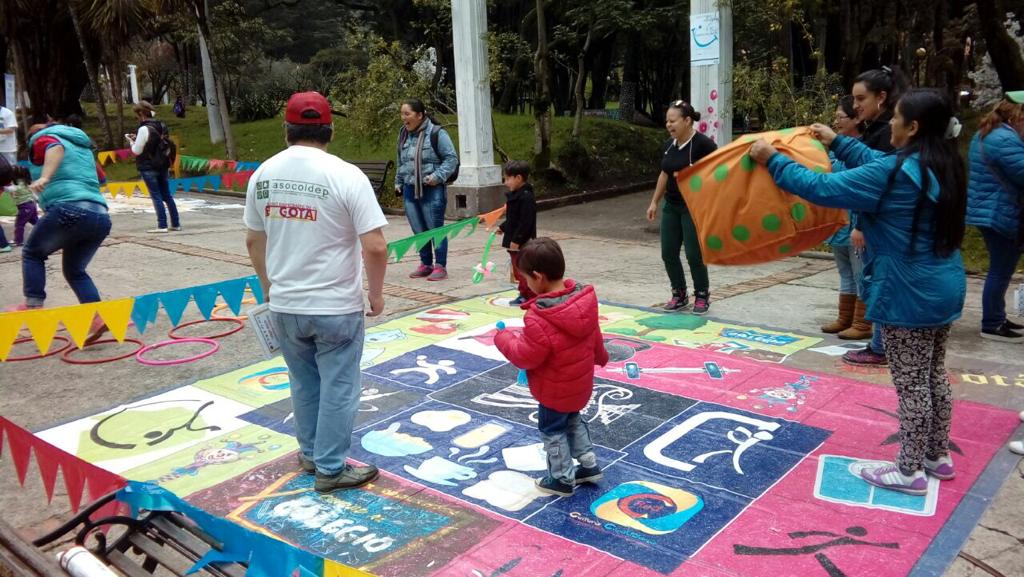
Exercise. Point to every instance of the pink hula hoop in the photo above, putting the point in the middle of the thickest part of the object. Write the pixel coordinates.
(214, 347)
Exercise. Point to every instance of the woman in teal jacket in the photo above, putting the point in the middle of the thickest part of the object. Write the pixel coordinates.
(911, 206)
(75, 219)
(994, 196)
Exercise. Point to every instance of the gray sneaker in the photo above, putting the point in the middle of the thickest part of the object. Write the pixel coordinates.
(349, 478)
(308, 466)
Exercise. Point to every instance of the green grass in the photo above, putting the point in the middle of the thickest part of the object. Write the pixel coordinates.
(618, 151)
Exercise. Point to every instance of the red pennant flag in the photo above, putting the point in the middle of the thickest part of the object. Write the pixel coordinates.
(20, 442)
(48, 464)
(74, 482)
(123, 153)
(49, 458)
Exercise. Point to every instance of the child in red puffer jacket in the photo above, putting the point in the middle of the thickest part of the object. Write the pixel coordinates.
(558, 348)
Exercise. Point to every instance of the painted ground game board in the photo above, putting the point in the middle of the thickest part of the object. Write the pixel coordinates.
(718, 459)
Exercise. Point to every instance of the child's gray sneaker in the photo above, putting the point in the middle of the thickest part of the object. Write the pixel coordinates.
(589, 474)
(552, 486)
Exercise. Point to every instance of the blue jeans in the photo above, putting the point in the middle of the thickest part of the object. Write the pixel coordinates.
(565, 437)
(1003, 256)
(425, 214)
(3, 238)
(850, 267)
(877, 345)
(323, 353)
(160, 194)
(78, 228)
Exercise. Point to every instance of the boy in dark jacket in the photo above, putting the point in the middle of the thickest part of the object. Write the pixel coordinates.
(520, 220)
(558, 347)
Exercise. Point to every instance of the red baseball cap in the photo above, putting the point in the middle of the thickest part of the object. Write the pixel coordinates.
(307, 108)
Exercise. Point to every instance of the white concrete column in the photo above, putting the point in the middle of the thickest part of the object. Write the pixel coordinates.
(473, 95)
(133, 81)
(711, 67)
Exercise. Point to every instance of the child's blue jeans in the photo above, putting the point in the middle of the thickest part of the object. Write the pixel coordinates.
(565, 437)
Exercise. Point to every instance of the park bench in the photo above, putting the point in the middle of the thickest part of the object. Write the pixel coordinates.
(377, 171)
(130, 547)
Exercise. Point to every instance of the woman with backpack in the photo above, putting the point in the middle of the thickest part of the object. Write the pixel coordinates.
(994, 194)
(153, 152)
(427, 163)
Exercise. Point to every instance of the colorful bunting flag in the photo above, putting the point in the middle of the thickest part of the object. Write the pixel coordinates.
(124, 153)
(126, 189)
(398, 248)
(238, 179)
(107, 157)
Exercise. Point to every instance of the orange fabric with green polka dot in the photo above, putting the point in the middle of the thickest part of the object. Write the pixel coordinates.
(741, 216)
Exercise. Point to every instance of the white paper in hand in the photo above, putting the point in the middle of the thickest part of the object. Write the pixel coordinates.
(260, 321)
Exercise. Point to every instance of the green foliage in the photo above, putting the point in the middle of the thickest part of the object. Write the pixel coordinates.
(373, 97)
(769, 94)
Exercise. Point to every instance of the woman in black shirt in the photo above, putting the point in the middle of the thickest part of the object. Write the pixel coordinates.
(685, 147)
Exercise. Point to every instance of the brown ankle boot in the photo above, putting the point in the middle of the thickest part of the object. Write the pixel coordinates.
(845, 318)
(860, 329)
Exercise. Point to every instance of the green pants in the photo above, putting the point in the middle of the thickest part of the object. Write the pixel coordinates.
(677, 231)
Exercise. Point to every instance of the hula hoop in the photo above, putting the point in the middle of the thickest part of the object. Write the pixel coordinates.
(214, 346)
(223, 306)
(67, 343)
(232, 331)
(66, 357)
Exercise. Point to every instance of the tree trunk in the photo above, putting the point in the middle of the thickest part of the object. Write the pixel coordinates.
(581, 81)
(600, 66)
(1005, 53)
(225, 118)
(116, 70)
(91, 69)
(627, 94)
(542, 99)
(210, 93)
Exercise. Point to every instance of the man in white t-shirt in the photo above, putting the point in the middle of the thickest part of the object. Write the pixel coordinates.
(8, 135)
(312, 218)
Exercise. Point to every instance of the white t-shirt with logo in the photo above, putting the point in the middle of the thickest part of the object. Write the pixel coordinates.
(313, 206)
(8, 142)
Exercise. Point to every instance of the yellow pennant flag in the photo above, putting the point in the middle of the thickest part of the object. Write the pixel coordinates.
(77, 319)
(10, 324)
(116, 314)
(42, 323)
(106, 157)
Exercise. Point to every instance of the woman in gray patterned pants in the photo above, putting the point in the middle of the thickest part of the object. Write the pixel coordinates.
(911, 207)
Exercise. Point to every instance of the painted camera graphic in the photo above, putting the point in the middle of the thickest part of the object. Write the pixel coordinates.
(647, 507)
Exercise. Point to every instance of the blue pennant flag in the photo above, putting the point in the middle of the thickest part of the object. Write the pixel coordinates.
(233, 291)
(206, 298)
(174, 303)
(144, 311)
(257, 288)
(211, 182)
(246, 165)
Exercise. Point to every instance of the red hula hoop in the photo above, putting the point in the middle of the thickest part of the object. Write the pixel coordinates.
(66, 357)
(232, 331)
(67, 343)
(214, 346)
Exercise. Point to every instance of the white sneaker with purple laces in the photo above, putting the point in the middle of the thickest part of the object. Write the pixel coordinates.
(889, 476)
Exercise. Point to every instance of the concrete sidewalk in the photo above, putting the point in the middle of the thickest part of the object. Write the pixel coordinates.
(607, 243)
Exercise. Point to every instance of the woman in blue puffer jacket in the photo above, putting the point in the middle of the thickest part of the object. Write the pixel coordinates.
(911, 206)
(994, 206)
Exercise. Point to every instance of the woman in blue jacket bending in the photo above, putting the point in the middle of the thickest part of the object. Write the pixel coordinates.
(911, 207)
(994, 196)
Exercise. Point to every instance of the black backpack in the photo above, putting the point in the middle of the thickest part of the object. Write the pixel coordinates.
(435, 131)
(164, 151)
